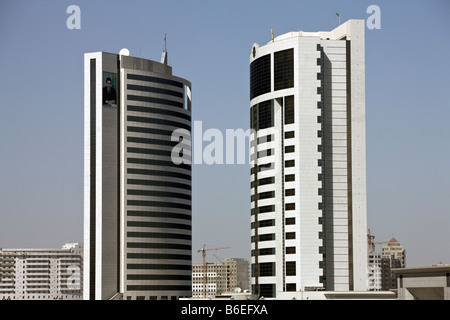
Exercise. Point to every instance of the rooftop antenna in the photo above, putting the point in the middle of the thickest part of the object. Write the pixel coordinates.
(271, 30)
(164, 54)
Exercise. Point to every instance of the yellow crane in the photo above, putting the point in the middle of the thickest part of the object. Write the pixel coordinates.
(372, 243)
(203, 251)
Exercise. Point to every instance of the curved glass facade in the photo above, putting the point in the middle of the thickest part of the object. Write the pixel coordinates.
(158, 197)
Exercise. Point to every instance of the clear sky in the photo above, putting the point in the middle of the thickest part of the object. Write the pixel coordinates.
(209, 43)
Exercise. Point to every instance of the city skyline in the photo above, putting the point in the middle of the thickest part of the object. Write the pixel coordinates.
(41, 131)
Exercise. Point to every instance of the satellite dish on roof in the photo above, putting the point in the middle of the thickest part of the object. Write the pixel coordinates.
(124, 52)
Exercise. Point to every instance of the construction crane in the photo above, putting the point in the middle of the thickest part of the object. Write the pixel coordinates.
(372, 243)
(203, 251)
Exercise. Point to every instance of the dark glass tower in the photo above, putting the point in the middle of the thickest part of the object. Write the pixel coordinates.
(137, 200)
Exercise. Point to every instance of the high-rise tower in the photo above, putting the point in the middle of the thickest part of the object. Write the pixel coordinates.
(308, 170)
(137, 201)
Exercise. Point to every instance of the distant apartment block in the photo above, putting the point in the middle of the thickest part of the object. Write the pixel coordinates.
(232, 275)
(42, 274)
(381, 264)
(374, 274)
(394, 256)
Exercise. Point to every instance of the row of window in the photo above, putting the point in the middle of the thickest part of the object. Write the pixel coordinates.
(159, 163)
(159, 266)
(271, 194)
(158, 214)
(155, 90)
(262, 114)
(164, 245)
(270, 137)
(159, 111)
(159, 204)
(154, 80)
(169, 256)
(132, 97)
(161, 235)
(271, 251)
(156, 193)
(159, 173)
(163, 122)
(271, 236)
(187, 277)
(154, 224)
(158, 288)
(267, 269)
(157, 183)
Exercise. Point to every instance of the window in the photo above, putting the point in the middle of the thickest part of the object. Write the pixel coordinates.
(290, 250)
(289, 177)
(265, 114)
(290, 221)
(265, 153)
(291, 287)
(266, 251)
(289, 163)
(260, 75)
(289, 110)
(266, 223)
(289, 149)
(290, 235)
(289, 134)
(254, 117)
(290, 206)
(290, 268)
(263, 209)
(267, 290)
(263, 139)
(264, 237)
(266, 195)
(289, 192)
(265, 181)
(284, 69)
(267, 269)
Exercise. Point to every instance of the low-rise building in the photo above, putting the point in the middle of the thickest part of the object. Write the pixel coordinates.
(231, 275)
(424, 283)
(41, 274)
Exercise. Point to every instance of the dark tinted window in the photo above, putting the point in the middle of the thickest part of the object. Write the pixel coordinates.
(284, 69)
(260, 76)
(289, 110)
(265, 114)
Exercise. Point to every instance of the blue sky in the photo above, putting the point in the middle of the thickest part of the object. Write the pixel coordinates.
(209, 42)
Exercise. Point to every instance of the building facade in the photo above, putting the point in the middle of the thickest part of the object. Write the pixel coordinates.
(393, 256)
(206, 286)
(229, 276)
(42, 274)
(308, 171)
(137, 190)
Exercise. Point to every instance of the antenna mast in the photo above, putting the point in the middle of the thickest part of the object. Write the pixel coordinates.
(164, 54)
